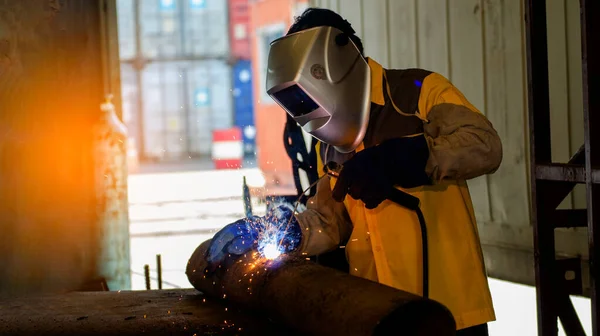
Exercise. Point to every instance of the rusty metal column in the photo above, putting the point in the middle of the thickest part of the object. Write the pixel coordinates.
(590, 47)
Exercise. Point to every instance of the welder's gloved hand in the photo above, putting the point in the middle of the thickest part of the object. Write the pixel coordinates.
(236, 238)
(277, 226)
(371, 174)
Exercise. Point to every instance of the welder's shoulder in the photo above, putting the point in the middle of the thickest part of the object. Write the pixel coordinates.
(428, 84)
(438, 92)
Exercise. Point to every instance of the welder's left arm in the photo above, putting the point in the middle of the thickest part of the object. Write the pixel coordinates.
(458, 143)
(462, 142)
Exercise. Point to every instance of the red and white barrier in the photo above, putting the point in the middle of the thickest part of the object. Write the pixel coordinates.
(228, 148)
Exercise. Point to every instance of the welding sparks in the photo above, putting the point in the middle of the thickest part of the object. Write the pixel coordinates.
(270, 238)
(273, 229)
(270, 251)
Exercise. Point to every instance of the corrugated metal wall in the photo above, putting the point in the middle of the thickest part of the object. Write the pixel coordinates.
(479, 46)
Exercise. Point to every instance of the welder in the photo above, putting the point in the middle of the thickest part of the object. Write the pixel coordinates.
(409, 130)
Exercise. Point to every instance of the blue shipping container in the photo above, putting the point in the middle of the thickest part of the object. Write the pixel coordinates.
(243, 104)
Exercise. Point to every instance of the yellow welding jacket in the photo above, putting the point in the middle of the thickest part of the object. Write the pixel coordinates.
(384, 244)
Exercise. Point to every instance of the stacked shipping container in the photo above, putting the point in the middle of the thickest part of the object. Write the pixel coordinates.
(176, 80)
(239, 29)
(239, 36)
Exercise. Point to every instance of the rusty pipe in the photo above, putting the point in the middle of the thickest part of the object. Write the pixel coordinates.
(317, 300)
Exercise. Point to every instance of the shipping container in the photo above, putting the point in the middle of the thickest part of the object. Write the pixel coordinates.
(244, 105)
(183, 101)
(174, 29)
(239, 29)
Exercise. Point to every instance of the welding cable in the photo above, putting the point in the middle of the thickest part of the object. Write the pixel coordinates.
(302, 194)
(408, 201)
(298, 152)
(411, 202)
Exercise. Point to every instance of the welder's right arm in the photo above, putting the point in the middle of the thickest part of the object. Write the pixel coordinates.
(325, 223)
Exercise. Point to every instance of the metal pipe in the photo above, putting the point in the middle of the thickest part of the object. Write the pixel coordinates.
(317, 300)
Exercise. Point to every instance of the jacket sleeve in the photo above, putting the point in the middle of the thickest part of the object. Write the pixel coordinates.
(463, 144)
(325, 223)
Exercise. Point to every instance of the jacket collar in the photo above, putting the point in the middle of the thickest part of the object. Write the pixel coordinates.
(376, 82)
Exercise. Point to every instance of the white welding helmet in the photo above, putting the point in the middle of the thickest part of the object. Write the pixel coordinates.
(322, 81)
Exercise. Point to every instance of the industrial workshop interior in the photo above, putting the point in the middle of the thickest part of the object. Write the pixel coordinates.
(159, 175)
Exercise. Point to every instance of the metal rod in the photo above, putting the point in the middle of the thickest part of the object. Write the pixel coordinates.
(246, 198)
(317, 300)
(159, 270)
(147, 276)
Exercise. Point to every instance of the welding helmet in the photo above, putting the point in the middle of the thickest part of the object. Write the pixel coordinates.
(319, 77)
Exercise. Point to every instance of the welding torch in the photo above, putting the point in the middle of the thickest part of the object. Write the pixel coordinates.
(406, 200)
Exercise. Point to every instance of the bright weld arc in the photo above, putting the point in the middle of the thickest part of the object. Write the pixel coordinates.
(270, 239)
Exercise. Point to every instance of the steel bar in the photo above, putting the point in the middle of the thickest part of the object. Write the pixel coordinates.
(537, 81)
(147, 276)
(540, 140)
(568, 316)
(590, 53)
(317, 300)
(568, 278)
(159, 270)
(566, 172)
(560, 172)
(560, 190)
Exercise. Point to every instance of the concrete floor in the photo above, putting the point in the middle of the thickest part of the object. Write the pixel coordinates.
(173, 212)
